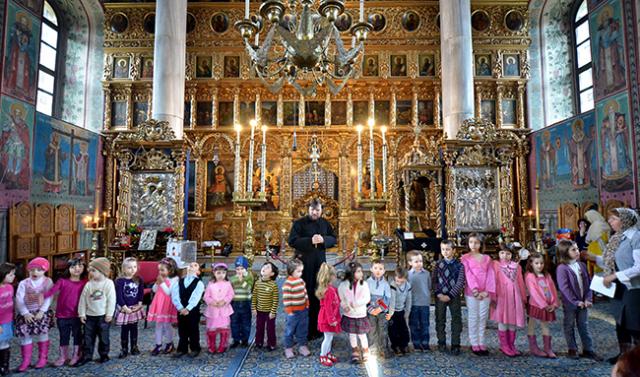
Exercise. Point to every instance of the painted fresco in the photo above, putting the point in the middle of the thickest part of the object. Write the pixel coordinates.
(566, 162)
(219, 184)
(614, 144)
(608, 46)
(65, 166)
(16, 133)
(20, 53)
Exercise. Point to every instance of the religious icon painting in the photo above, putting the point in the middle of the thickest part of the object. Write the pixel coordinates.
(191, 23)
(514, 20)
(403, 113)
(191, 185)
(52, 158)
(399, 65)
(225, 114)
(33, 5)
(140, 110)
(118, 23)
(427, 65)
(480, 21)
(231, 66)
(204, 113)
(343, 23)
(314, 113)
(410, 21)
(488, 110)
(290, 113)
(360, 112)
(608, 46)
(147, 67)
(271, 186)
(186, 120)
(509, 112)
(370, 66)
(483, 65)
(247, 112)
(20, 54)
(83, 164)
(219, 184)
(378, 21)
(339, 113)
(511, 64)
(382, 112)
(15, 148)
(203, 67)
(149, 23)
(119, 114)
(219, 23)
(121, 67)
(269, 113)
(425, 112)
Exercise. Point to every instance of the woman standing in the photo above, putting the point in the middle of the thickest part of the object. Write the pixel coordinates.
(621, 262)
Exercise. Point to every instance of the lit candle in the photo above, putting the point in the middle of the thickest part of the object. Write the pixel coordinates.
(257, 39)
(253, 124)
(236, 176)
(537, 206)
(361, 10)
(104, 219)
(372, 161)
(384, 160)
(359, 128)
(263, 159)
(246, 9)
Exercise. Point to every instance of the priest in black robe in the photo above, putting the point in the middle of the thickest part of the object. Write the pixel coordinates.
(310, 236)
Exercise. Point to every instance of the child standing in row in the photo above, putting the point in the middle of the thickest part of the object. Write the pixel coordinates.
(448, 284)
(264, 303)
(296, 306)
(186, 297)
(129, 295)
(573, 283)
(7, 276)
(242, 283)
(34, 318)
(399, 309)
(162, 311)
(543, 301)
(378, 307)
(69, 287)
(329, 315)
(420, 280)
(509, 308)
(95, 309)
(481, 287)
(354, 297)
(218, 298)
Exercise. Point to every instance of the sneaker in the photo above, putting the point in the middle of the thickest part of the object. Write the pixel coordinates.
(271, 348)
(256, 345)
(103, 359)
(194, 354)
(288, 353)
(591, 355)
(324, 360)
(404, 350)
(304, 351)
(396, 351)
(332, 357)
(179, 354)
(425, 348)
(455, 350)
(135, 351)
(235, 344)
(573, 354)
(442, 347)
(156, 351)
(168, 349)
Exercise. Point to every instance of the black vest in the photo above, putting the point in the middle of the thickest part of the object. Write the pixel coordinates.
(186, 292)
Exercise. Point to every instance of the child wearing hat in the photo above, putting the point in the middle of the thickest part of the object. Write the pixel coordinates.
(96, 308)
(242, 283)
(34, 318)
(218, 298)
(186, 297)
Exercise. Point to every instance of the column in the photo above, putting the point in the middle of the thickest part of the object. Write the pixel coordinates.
(457, 73)
(169, 63)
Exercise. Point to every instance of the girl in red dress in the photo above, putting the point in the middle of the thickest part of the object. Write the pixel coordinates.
(329, 316)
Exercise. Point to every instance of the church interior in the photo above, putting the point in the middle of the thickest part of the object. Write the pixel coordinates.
(202, 129)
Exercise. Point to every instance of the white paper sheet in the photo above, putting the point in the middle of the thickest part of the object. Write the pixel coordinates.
(597, 285)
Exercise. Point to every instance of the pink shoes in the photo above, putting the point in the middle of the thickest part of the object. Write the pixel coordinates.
(64, 356)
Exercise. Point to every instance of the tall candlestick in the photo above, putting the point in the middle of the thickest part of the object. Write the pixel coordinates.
(250, 171)
(537, 206)
(372, 162)
(359, 128)
(246, 9)
(236, 176)
(263, 159)
(361, 10)
(384, 160)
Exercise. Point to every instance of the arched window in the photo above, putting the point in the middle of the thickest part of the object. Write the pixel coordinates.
(47, 67)
(582, 58)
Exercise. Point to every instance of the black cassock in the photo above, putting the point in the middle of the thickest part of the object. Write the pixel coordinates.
(312, 257)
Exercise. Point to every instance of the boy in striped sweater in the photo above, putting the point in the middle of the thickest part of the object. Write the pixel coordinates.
(296, 306)
(242, 283)
(264, 305)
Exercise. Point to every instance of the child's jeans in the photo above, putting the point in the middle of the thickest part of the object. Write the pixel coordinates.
(398, 330)
(378, 334)
(572, 317)
(455, 308)
(68, 327)
(419, 323)
(241, 320)
(262, 321)
(95, 326)
(297, 326)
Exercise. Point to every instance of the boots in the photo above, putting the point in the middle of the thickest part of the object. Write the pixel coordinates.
(27, 351)
(124, 348)
(504, 343)
(511, 342)
(547, 347)
(77, 355)
(211, 340)
(224, 340)
(533, 347)
(5, 355)
(43, 352)
(64, 356)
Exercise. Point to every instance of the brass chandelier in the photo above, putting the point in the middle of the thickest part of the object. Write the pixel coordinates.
(297, 48)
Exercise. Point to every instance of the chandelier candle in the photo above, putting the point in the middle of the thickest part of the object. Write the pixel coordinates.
(361, 10)
(359, 128)
(372, 162)
(246, 9)
(250, 171)
(236, 176)
(263, 159)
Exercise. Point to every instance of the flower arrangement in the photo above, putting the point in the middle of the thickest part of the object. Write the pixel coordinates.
(504, 236)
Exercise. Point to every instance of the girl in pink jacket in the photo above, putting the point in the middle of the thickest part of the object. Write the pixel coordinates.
(543, 301)
(218, 296)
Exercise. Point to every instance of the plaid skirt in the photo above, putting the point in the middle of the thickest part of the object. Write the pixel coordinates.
(355, 325)
(541, 314)
(37, 327)
(126, 319)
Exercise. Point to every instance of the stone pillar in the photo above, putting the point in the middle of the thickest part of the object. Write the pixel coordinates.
(169, 63)
(457, 68)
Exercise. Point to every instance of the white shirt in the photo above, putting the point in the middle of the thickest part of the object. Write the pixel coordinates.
(575, 267)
